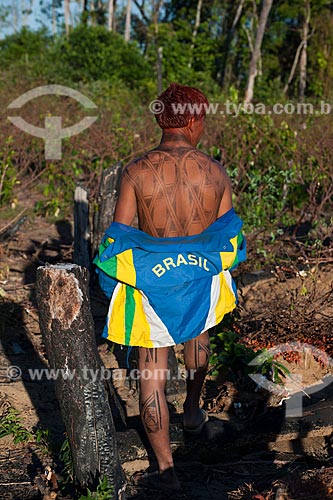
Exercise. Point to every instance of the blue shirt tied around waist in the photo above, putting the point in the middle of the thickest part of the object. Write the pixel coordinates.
(165, 291)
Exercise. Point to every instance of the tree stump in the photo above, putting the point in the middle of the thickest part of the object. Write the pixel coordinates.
(105, 203)
(82, 249)
(68, 333)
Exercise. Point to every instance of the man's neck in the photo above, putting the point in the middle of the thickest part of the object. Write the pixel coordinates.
(175, 138)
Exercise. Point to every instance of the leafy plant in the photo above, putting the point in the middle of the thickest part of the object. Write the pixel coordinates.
(65, 455)
(11, 425)
(8, 177)
(228, 352)
(103, 492)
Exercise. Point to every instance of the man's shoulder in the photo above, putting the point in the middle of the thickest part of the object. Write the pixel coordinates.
(208, 158)
(136, 164)
(132, 168)
(201, 155)
(150, 157)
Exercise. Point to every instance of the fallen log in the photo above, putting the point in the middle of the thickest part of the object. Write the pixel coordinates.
(68, 333)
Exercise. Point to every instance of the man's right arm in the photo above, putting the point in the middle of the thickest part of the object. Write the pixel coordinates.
(126, 206)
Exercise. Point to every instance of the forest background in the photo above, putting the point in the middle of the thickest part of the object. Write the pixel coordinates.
(247, 56)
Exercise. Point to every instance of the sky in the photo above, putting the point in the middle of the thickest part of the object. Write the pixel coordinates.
(35, 19)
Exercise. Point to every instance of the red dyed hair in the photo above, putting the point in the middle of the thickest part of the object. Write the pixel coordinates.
(178, 101)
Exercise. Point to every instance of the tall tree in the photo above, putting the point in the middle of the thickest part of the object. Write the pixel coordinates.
(67, 12)
(157, 5)
(195, 30)
(15, 15)
(26, 11)
(128, 21)
(229, 39)
(54, 17)
(303, 58)
(253, 69)
(85, 11)
(110, 14)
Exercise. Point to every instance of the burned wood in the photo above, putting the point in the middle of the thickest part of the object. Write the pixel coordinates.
(7, 232)
(105, 203)
(68, 333)
(82, 248)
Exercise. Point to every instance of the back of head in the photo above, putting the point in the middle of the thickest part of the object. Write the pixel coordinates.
(179, 104)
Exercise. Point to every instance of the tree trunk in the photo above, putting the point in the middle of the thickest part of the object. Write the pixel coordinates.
(110, 15)
(15, 16)
(105, 203)
(85, 12)
(159, 49)
(293, 68)
(114, 15)
(266, 7)
(82, 248)
(197, 19)
(229, 40)
(67, 16)
(128, 21)
(92, 13)
(303, 58)
(159, 69)
(24, 13)
(54, 18)
(195, 31)
(68, 334)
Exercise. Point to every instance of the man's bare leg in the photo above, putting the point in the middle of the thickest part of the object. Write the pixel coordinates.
(153, 369)
(196, 356)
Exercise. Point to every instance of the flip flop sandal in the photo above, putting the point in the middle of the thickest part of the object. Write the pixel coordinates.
(154, 481)
(198, 428)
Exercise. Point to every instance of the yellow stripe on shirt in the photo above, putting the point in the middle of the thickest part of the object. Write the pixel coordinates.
(116, 326)
(140, 329)
(226, 301)
(227, 258)
(125, 267)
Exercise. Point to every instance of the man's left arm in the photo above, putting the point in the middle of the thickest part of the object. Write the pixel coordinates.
(125, 211)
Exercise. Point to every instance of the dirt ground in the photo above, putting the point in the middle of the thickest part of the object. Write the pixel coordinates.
(247, 450)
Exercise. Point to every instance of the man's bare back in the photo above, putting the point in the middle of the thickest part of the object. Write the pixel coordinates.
(178, 190)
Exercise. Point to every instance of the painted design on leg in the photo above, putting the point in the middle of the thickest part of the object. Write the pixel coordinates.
(201, 354)
(151, 413)
(151, 355)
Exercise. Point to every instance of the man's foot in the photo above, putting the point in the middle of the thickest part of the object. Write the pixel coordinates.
(195, 425)
(164, 481)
